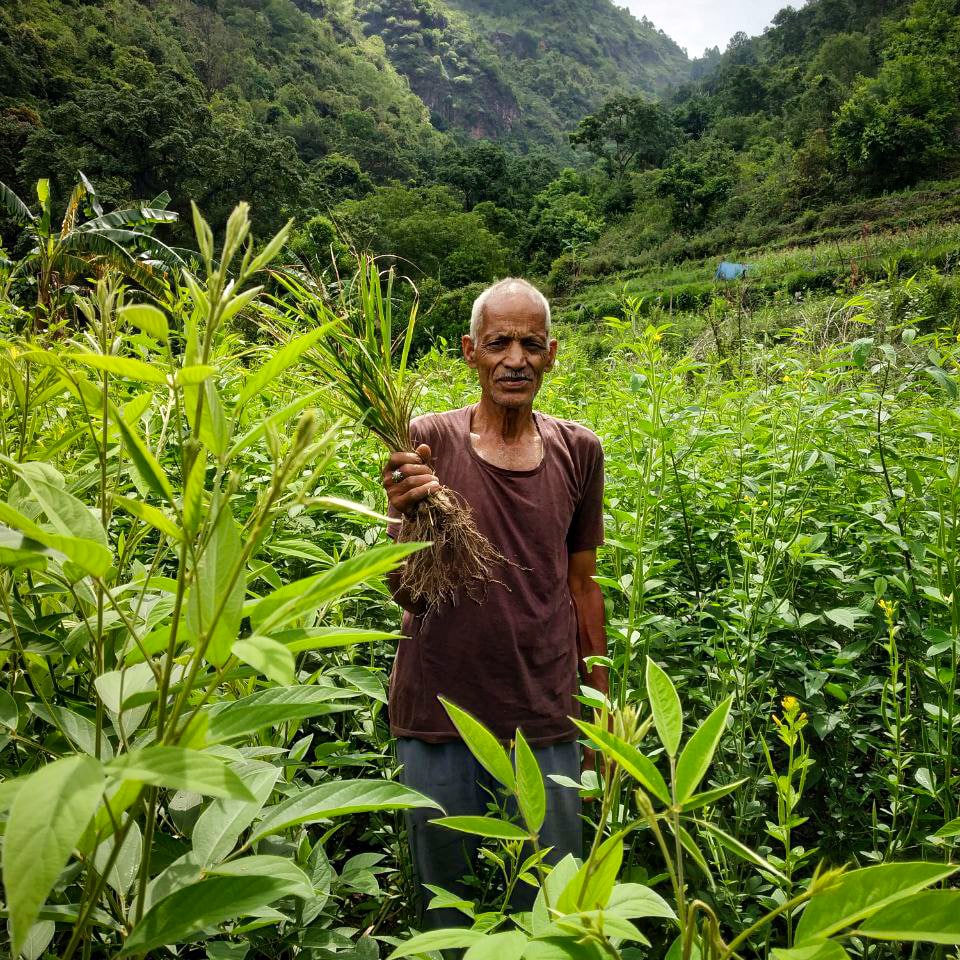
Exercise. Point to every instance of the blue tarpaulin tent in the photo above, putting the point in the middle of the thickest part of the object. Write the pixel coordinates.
(730, 271)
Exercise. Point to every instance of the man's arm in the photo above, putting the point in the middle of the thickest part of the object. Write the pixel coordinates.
(588, 602)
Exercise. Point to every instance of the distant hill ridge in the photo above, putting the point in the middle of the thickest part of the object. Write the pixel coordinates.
(524, 72)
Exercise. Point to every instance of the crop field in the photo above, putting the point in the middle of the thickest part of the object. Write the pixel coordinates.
(196, 634)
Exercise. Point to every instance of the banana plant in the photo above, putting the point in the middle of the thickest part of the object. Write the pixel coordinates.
(76, 248)
(583, 912)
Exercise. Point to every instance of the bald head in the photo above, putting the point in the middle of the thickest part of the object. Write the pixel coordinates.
(510, 289)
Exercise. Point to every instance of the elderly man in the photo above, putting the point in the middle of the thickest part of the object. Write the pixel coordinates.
(535, 486)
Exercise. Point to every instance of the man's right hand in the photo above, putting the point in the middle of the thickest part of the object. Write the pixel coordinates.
(418, 479)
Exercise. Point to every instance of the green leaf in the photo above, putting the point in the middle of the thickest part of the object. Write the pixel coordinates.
(482, 744)
(639, 767)
(634, 900)
(943, 380)
(179, 768)
(697, 755)
(932, 916)
(824, 950)
(67, 514)
(437, 940)
(144, 461)
(484, 827)
(49, 814)
(531, 795)
(506, 945)
(213, 429)
(266, 866)
(860, 893)
(9, 714)
(187, 911)
(219, 585)
(126, 863)
(324, 638)
(195, 374)
(193, 493)
(268, 656)
(301, 597)
(846, 616)
(951, 829)
(91, 557)
(149, 515)
(711, 796)
(665, 704)
(593, 883)
(151, 320)
(268, 708)
(337, 799)
(126, 367)
(279, 361)
(219, 826)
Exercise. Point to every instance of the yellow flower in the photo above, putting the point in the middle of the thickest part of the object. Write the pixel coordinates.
(790, 703)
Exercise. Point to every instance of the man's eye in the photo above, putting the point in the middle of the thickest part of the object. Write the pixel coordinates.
(496, 344)
(534, 345)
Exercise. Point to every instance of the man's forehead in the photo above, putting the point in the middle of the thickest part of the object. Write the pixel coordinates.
(515, 313)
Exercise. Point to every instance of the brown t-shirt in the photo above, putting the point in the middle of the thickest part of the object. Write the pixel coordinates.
(511, 661)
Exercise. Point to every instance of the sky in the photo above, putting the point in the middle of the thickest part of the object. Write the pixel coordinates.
(698, 24)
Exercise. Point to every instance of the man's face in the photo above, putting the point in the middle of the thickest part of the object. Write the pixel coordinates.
(513, 350)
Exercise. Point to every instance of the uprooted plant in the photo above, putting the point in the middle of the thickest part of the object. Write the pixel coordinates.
(370, 379)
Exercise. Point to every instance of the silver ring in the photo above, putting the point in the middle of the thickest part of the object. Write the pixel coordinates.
(397, 476)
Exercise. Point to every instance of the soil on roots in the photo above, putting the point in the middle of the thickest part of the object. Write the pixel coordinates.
(460, 561)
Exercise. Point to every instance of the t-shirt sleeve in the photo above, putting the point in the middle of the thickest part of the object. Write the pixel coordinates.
(586, 527)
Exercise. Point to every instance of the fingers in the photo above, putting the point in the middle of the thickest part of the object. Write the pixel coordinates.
(418, 479)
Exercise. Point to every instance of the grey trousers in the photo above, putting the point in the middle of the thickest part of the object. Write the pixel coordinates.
(449, 774)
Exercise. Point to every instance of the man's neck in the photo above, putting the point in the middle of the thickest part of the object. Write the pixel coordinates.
(505, 425)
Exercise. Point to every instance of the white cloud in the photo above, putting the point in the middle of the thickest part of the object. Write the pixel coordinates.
(698, 24)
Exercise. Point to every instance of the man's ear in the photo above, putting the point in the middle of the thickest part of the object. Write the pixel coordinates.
(469, 350)
(551, 354)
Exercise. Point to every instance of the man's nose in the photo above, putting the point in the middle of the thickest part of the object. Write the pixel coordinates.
(515, 358)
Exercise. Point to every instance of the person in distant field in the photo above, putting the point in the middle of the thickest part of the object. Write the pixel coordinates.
(535, 486)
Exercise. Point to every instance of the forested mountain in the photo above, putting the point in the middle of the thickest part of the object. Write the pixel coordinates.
(521, 71)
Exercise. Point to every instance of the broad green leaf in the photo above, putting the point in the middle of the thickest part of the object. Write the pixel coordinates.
(193, 493)
(698, 753)
(846, 616)
(582, 922)
(127, 862)
(149, 515)
(194, 374)
(484, 827)
(558, 879)
(951, 829)
(634, 900)
(126, 367)
(337, 799)
(217, 591)
(506, 945)
(268, 708)
(295, 600)
(144, 461)
(482, 744)
(179, 768)
(823, 950)
(151, 320)
(665, 704)
(9, 714)
(80, 731)
(48, 816)
(531, 794)
(563, 948)
(279, 361)
(639, 767)
(860, 893)
(38, 939)
(116, 687)
(932, 916)
(219, 826)
(67, 514)
(266, 866)
(91, 557)
(189, 910)
(593, 883)
(268, 656)
(436, 940)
